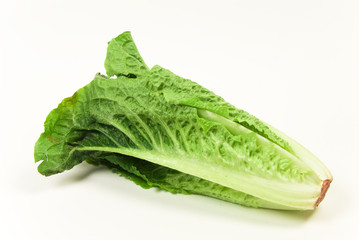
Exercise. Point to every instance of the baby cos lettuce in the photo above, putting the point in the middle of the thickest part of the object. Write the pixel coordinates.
(161, 130)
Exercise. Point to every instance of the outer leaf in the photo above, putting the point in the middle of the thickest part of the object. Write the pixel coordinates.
(147, 175)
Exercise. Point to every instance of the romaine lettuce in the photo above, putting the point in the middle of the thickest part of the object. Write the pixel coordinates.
(161, 130)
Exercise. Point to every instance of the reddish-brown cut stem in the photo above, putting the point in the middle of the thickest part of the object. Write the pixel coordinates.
(325, 186)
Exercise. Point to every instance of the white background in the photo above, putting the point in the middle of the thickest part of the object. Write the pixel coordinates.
(293, 64)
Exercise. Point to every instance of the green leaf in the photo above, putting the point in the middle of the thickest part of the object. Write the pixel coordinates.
(123, 57)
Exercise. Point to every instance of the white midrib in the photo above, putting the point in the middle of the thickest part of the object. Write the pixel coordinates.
(298, 196)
